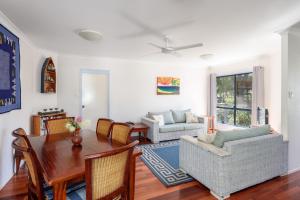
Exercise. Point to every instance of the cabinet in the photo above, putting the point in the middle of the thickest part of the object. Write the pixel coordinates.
(48, 81)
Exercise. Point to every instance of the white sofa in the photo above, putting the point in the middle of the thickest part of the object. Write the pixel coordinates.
(238, 165)
(173, 131)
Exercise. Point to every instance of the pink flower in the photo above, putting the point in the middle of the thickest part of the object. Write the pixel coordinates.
(78, 119)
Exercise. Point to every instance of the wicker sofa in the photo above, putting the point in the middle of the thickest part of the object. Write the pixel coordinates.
(173, 131)
(238, 165)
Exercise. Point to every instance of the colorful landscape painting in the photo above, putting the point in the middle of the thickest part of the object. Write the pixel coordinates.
(168, 85)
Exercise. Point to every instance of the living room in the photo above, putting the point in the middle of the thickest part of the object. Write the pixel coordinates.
(138, 43)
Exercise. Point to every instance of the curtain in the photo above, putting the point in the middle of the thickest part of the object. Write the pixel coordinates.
(258, 92)
(212, 101)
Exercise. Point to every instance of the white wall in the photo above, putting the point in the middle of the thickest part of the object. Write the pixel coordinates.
(291, 106)
(272, 65)
(31, 64)
(133, 86)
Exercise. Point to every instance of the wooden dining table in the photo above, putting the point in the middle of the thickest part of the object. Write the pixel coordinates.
(62, 163)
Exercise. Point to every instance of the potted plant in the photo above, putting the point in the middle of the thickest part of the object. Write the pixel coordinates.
(74, 126)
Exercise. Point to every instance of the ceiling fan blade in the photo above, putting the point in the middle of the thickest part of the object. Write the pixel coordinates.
(146, 29)
(174, 53)
(155, 45)
(150, 54)
(188, 46)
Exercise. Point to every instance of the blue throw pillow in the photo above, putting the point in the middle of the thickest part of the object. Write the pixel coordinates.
(168, 118)
(179, 115)
(238, 134)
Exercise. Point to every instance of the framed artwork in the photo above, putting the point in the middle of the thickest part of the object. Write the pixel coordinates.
(168, 86)
(10, 85)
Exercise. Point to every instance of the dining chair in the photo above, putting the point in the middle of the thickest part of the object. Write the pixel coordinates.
(120, 132)
(36, 188)
(17, 155)
(104, 127)
(22, 144)
(55, 126)
(107, 173)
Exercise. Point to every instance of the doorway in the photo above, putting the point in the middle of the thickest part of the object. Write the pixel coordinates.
(94, 95)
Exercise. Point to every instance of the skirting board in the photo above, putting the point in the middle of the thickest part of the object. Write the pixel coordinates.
(293, 171)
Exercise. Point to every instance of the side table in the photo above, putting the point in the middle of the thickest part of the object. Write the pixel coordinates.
(140, 128)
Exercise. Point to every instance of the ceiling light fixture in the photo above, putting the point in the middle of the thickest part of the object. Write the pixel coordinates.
(90, 35)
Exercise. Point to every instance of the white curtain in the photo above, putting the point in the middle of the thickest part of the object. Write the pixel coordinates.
(212, 101)
(258, 92)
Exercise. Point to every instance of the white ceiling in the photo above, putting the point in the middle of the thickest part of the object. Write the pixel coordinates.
(230, 29)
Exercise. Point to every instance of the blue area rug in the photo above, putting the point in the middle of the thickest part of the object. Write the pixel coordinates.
(74, 191)
(163, 160)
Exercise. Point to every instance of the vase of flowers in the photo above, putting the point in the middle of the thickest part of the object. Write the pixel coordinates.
(74, 126)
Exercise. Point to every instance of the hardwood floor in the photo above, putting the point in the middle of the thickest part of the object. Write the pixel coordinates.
(149, 187)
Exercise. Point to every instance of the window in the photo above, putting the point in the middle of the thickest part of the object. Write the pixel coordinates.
(234, 99)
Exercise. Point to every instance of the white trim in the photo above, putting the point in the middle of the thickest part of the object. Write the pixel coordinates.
(293, 171)
(16, 30)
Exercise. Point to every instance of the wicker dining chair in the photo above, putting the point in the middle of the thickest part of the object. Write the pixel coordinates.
(22, 144)
(104, 127)
(107, 173)
(55, 126)
(17, 155)
(120, 132)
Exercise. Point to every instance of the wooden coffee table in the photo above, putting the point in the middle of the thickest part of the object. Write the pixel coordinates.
(140, 128)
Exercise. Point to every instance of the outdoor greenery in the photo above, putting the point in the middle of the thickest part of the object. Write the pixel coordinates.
(225, 91)
(234, 97)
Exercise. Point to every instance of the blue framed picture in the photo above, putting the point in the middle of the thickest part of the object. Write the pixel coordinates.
(10, 85)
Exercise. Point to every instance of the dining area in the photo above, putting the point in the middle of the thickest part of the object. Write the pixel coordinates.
(74, 163)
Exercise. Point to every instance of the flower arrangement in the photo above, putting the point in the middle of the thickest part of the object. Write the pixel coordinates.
(77, 124)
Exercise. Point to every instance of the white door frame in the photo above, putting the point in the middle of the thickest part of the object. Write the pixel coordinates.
(95, 71)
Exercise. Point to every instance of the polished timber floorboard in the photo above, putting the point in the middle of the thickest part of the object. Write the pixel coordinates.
(149, 187)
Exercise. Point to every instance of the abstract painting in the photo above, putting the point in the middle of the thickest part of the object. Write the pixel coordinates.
(168, 85)
(10, 86)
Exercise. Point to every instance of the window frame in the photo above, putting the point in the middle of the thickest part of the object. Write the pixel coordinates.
(234, 108)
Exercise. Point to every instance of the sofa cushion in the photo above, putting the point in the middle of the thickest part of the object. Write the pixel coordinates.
(160, 119)
(207, 137)
(207, 147)
(192, 126)
(168, 117)
(191, 118)
(171, 128)
(238, 134)
(179, 115)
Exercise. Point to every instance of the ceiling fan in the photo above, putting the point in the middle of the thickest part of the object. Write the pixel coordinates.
(167, 49)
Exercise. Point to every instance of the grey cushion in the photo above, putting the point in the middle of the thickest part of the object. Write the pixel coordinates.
(168, 117)
(193, 126)
(171, 128)
(238, 134)
(179, 115)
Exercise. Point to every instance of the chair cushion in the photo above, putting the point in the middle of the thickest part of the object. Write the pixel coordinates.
(192, 126)
(179, 115)
(238, 134)
(168, 117)
(171, 128)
